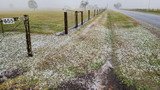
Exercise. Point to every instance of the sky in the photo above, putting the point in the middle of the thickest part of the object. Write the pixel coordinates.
(51, 4)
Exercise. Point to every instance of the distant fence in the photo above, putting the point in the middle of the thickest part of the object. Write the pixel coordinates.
(95, 12)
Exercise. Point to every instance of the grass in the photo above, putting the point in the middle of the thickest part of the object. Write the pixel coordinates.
(96, 65)
(79, 56)
(121, 20)
(135, 53)
(19, 83)
(41, 22)
(153, 11)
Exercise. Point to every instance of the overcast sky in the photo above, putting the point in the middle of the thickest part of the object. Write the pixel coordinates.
(50, 4)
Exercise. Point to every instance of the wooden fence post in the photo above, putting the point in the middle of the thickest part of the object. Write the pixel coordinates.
(2, 26)
(89, 14)
(76, 19)
(28, 37)
(94, 13)
(81, 17)
(97, 11)
(66, 22)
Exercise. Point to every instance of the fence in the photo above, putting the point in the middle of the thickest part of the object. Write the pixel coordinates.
(11, 21)
(81, 18)
(72, 19)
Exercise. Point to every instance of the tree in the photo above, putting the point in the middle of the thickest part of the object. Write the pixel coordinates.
(84, 4)
(118, 5)
(32, 4)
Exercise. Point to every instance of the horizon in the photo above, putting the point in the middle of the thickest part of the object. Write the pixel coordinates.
(12, 5)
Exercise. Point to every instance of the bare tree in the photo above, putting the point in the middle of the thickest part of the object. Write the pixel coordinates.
(84, 4)
(118, 5)
(32, 4)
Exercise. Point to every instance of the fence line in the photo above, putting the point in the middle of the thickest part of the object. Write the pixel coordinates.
(96, 12)
(26, 22)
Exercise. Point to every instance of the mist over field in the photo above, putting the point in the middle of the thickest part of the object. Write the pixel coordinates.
(59, 4)
(46, 4)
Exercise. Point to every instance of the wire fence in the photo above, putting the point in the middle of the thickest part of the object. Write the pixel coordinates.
(11, 29)
(39, 23)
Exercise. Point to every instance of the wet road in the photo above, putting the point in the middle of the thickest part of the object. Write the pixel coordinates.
(145, 17)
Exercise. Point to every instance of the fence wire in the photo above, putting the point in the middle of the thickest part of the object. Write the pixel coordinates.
(10, 29)
(40, 23)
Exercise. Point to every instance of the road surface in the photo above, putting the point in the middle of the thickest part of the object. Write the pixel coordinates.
(152, 19)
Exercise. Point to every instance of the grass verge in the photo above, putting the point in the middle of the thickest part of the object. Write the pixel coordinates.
(153, 11)
(121, 20)
(135, 53)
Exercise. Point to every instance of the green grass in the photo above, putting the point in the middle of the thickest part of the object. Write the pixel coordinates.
(40, 21)
(20, 82)
(96, 65)
(121, 20)
(46, 22)
(153, 11)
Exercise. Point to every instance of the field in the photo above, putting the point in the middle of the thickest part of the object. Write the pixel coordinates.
(42, 22)
(56, 58)
(84, 58)
(153, 11)
(136, 53)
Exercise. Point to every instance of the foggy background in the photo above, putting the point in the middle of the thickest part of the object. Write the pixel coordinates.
(59, 4)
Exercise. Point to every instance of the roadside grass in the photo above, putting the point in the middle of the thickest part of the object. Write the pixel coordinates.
(42, 22)
(136, 54)
(153, 11)
(121, 20)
